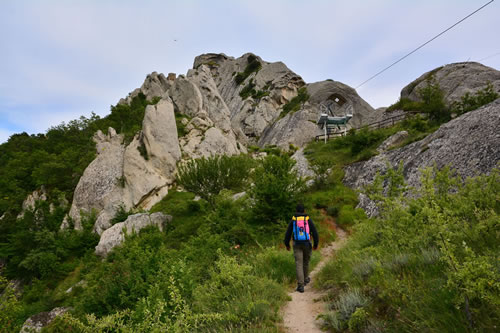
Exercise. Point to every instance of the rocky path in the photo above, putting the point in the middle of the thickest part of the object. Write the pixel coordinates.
(299, 315)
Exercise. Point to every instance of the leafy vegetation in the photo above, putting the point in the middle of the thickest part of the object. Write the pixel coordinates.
(428, 262)
(470, 102)
(253, 66)
(431, 102)
(208, 176)
(295, 103)
(249, 91)
(276, 189)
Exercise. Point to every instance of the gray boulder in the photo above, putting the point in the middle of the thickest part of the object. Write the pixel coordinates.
(469, 144)
(455, 80)
(115, 235)
(150, 159)
(392, 141)
(99, 187)
(37, 322)
(302, 166)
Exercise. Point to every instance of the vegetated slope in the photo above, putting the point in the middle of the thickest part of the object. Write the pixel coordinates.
(173, 272)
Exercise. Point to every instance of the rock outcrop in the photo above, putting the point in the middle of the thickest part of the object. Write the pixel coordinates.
(469, 144)
(115, 235)
(223, 105)
(155, 85)
(135, 176)
(37, 322)
(31, 199)
(455, 80)
(302, 166)
(99, 188)
(392, 141)
(150, 159)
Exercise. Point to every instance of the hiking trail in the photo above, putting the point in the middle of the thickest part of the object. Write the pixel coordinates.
(299, 315)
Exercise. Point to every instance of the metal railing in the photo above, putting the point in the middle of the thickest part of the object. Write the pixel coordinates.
(376, 125)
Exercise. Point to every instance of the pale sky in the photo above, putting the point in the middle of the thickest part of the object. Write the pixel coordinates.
(60, 60)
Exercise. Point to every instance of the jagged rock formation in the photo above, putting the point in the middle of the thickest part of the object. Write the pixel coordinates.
(37, 322)
(99, 187)
(224, 104)
(256, 118)
(31, 199)
(115, 235)
(155, 85)
(455, 80)
(470, 144)
(136, 176)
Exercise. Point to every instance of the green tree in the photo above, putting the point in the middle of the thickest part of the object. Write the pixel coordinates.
(276, 190)
(206, 177)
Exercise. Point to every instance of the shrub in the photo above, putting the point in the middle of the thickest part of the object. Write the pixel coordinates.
(10, 307)
(348, 215)
(276, 190)
(470, 102)
(433, 101)
(206, 177)
(253, 66)
(120, 215)
(295, 103)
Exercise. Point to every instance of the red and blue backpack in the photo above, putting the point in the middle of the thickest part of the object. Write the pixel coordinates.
(301, 228)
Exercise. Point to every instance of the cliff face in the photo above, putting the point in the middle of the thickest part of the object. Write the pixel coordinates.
(469, 144)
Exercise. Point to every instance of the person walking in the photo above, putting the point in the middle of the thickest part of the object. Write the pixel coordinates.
(301, 227)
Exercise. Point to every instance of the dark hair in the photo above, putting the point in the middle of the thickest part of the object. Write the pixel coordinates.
(300, 208)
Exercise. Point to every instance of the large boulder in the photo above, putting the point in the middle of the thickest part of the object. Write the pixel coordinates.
(37, 322)
(99, 189)
(455, 80)
(115, 235)
(150, 160)
(469, 144)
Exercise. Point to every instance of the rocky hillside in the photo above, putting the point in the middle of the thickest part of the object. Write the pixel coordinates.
(455, 80)
(223, 105)
(469, 144)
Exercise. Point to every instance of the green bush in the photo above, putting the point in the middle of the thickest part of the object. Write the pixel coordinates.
(470, 102)
(276, 190)
(295, 103)
(429, 257)
(253, 66)
(10, 306)
(348, 215)
(206, 177)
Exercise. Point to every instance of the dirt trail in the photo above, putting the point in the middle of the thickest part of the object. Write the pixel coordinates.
(299, 315)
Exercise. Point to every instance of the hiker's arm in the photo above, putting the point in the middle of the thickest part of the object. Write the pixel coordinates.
(314, 233)
(288, 235)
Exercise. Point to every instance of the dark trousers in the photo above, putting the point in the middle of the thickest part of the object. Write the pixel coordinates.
(302, 254)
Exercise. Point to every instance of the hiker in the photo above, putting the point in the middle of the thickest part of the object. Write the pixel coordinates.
(302, 227)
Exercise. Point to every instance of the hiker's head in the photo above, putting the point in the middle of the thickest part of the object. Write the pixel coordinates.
(300, 208)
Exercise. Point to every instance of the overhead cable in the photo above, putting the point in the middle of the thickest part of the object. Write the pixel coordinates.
(418, 48)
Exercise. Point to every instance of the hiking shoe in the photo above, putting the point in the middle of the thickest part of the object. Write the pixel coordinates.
(307, 280)
(300, 289)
